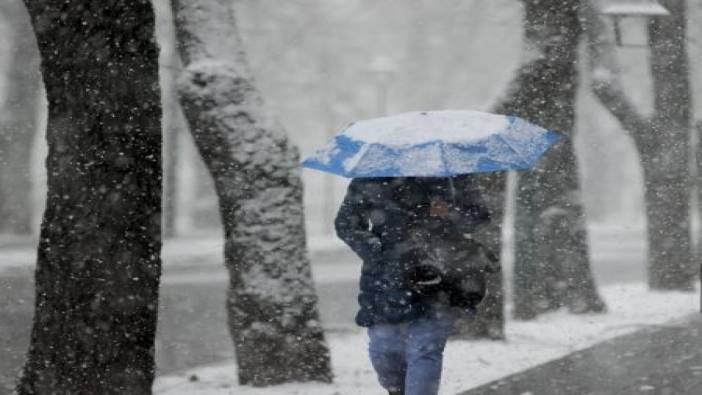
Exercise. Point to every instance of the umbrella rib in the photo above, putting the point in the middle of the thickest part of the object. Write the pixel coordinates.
(359, 156)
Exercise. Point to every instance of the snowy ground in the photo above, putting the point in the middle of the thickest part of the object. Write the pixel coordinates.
(467, 363)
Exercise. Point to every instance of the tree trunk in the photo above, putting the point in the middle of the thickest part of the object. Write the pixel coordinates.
(490, 322)
(272, 309)
(552, 266)
(662, 141)
(665, 154)
(98, 261)
(18, 123)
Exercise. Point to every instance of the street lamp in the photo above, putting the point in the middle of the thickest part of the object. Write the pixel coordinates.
(630, 17)
(382, 67)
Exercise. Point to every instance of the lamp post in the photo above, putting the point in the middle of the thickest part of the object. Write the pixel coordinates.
(630, 18)
(382, 67)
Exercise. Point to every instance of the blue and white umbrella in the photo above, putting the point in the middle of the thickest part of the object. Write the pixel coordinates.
(433, 144)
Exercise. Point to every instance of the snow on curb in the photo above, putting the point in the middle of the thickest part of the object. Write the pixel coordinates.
(467, 364)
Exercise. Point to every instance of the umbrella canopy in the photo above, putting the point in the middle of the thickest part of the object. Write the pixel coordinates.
(433, 144)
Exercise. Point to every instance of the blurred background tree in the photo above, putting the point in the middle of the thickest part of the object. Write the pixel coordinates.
(662, 138)
(552, 262)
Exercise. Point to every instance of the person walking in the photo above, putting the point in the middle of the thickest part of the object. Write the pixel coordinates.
(409, 214)
(420, 271)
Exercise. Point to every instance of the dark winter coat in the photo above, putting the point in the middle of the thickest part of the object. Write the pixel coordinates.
(387, 223)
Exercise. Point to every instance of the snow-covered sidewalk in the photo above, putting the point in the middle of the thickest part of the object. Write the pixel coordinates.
(467, 363)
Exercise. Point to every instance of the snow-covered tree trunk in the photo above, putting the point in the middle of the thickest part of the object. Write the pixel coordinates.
(272, 304)
(18, 121)
(98, 263)
(552, 265)
(662, 140)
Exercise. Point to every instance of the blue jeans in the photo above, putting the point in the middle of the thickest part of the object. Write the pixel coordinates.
(408, 355)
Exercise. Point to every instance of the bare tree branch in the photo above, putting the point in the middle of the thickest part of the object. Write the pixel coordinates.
(606, 84)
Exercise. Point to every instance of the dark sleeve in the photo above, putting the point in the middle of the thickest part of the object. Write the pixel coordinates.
(352, 225)
(470, 209)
